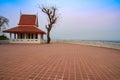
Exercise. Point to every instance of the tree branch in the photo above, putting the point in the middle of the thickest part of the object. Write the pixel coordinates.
(3, 21)
(52, 16)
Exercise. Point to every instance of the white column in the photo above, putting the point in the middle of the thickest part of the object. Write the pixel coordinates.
(30, 36)
(25, 36)
(39, 36)
(34, 36)
(42, 36)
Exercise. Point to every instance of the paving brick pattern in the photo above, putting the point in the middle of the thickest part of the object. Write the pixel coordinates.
(58, 61)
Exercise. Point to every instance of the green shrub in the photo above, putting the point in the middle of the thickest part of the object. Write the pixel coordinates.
(3, 37)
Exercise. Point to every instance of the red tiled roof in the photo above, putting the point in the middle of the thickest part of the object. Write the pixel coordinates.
(30, 29)
(26, 19)
(27, 24)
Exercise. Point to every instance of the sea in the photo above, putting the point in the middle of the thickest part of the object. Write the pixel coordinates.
(111, 41)
(104, 41)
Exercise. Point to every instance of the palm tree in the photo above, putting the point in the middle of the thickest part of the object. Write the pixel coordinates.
(3, 21)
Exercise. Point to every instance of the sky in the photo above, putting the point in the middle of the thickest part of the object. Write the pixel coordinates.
(78, 19)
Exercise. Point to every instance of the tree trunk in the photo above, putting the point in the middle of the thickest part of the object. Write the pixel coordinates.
(48, 37)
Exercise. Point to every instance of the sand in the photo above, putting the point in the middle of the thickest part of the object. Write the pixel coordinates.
(98, 44)
(58, 61)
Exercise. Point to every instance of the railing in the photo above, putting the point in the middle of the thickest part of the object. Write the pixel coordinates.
(26, 41)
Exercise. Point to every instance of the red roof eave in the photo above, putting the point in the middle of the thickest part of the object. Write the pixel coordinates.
(33, 30)
(24, 32)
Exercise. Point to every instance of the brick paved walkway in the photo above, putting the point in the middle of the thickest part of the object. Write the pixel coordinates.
(58, 61)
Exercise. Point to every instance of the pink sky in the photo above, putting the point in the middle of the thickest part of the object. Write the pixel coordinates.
(88, 19)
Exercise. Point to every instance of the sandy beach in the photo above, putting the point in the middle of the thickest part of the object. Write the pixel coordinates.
(98, 44)
(58, 61)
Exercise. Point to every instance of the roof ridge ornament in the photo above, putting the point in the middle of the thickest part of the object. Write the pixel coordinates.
(20, 12)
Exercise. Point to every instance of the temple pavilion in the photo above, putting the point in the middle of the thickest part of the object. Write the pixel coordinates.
(26, 31)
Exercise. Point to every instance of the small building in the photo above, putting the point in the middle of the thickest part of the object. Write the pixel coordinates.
(27, 30)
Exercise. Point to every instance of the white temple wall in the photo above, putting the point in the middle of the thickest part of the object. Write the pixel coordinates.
(15, 38)
(26, 41)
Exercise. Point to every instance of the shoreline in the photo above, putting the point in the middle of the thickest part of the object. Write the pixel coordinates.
(85, 43)
(96, 44)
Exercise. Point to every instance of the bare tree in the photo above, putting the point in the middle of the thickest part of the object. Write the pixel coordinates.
(52, 18)
(3, 21)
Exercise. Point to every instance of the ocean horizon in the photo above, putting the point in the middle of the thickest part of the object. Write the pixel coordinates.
(77, 40)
